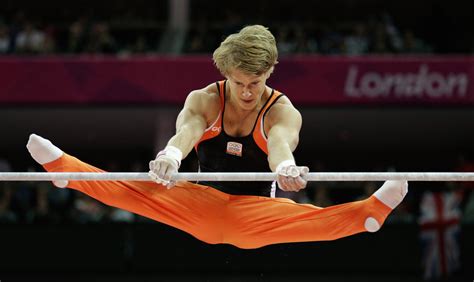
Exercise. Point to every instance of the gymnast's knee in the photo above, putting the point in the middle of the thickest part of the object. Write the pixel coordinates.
(246, 244)
(242, 240)
(210, 235)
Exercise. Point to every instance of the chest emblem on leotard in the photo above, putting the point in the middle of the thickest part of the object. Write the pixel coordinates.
(234, 148)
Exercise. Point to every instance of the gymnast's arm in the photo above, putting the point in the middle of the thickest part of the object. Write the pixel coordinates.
(283, 137)
(190, 125)
(191, 122)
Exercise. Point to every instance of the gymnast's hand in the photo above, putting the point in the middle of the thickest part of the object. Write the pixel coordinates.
(165, 164)
(291, 177)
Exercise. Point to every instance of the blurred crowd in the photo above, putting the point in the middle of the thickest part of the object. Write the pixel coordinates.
(24, 37)
(42, 202)
(374, 35)
(87, 35)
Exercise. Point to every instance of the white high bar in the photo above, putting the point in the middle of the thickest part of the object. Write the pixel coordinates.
(239, 176)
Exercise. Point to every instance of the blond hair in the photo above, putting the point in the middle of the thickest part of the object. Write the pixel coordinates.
(253, 50)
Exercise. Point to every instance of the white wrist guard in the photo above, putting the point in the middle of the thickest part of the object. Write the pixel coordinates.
(171, 152)
(288, 168)
(283, 164)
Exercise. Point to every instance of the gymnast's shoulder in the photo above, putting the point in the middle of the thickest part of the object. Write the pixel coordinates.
(205, 101)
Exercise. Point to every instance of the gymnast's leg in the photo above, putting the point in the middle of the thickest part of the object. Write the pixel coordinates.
(258, 221)
(187, 206)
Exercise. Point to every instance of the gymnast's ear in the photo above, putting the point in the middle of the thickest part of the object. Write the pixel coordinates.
(269, 72)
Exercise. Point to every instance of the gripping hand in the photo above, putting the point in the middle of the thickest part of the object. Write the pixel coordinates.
(291, 177)
(165, 164)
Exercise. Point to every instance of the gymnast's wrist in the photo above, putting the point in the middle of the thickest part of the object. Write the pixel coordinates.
(171, 152)
(284, 163)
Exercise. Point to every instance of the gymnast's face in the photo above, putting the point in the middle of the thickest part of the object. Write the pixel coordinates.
(246, 90)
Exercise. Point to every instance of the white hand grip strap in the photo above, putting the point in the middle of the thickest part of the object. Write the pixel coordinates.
(282, 168)
(171, 152)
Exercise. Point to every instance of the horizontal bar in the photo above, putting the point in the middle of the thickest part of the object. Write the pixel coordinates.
(240, 176)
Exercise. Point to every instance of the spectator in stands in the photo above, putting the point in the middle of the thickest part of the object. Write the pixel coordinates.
(49, 40)
(357, 43)
(304, 44)
(413, 44)
(88, 210)
(101, 40)
(465, 164)
(30, 40)
(368, 189)
(233, 21)
(286, 44)
(380, 42)
(392, 32)
(200, 38)
(299, 197)
(15, 26)
(468, 214)
(60, 204)
(332, 41)
(5, 41)
(6, 214)
(41, 211)
(77, 37)
(321, 196)
(197, 38)
(119, 215)
(140, 45)
(23, 200)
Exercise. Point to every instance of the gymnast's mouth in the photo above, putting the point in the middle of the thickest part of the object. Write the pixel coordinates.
(248, 102)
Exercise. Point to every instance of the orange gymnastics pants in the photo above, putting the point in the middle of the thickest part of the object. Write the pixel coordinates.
(216, 217)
